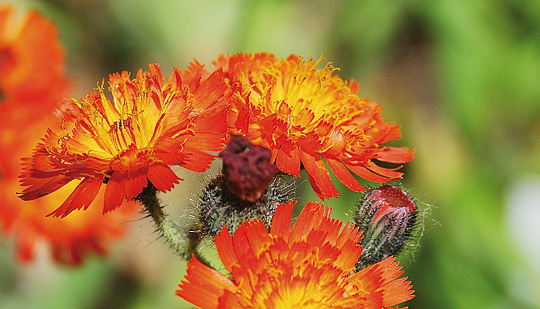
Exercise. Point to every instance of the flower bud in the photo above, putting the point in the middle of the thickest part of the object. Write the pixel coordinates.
(246, 168)
(217, 206)
(387, 217)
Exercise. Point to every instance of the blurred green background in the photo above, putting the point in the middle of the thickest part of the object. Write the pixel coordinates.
(461, 77)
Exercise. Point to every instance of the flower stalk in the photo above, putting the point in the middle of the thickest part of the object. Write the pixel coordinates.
(182, 242)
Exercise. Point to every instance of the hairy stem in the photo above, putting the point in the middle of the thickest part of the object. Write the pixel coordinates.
(184, 243)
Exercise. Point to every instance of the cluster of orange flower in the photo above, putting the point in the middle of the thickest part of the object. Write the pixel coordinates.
(105, 150)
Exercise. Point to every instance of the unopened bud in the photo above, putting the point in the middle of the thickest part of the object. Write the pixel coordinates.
(218, 207)
(247, 169)
(387, 216)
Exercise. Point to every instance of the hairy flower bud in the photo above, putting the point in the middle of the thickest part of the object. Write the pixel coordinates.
(217, 206)
(387, 216)
(246, 168)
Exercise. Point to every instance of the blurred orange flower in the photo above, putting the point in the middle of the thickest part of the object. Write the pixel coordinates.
(307, 116)
(32, 81)
(308, 266)
(131, 140)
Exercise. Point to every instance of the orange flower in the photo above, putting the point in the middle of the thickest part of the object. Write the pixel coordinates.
(151, 123)
(32, 81)
(306, 116)
(308, 266)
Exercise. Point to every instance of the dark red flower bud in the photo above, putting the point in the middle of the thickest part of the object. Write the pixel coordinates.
(218, 207)
(387, 216)
(247, 168)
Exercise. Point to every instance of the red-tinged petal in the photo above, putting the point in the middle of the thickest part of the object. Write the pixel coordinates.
(350, 250)
(388, 172)
(162, 177)
(395, 155)
(203, 286)
(367, 174)
(281, 222)
(198, 161)
(366, 285)
(115, 192)
(396, 290)
(317, 171)
(254, 234)
(312, 214)
(42, 187)
(210, 91)
(155, 72)
(343, 174)
(209, 130)
(225, 247)
(194, 74)
(288, 161)
(350, 231)
(316, 188)
(81, 197)
(135, 184)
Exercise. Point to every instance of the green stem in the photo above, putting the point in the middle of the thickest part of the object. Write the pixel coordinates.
(185, 244)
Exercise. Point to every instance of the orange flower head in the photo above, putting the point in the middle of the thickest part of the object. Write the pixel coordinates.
(32, 81)
(307, 116)
(130, 140)
(310, 265)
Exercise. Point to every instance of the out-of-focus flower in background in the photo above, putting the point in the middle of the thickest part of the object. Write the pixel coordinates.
(307, 266)
(308, 116)
(150, 124)
(32, 81)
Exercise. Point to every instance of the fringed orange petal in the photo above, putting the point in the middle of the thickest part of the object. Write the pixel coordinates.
(348, 244)
(39, 187)
(115, 192)
(281, 222)
(210, 91)
(318, 175)
(203, 286)
(197, 161)
(193, 75)
(395, 154)
(288, 161)
(382, 279)
(81, 197)
(343, 174)
(162, 177)
(388, 172)
(206, 129)
(313, 214)
(366, 285)
(225, 247)
(250, 239)
(396, 290)
(367, 174)
(135, 183)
